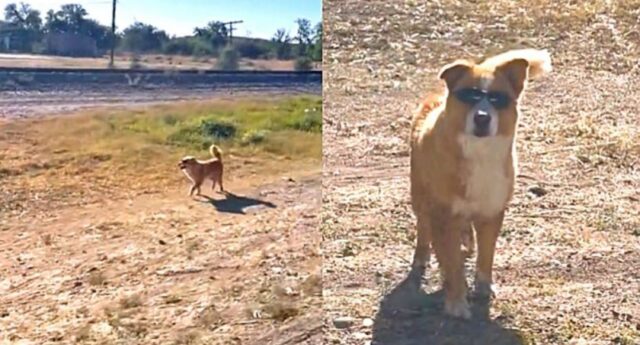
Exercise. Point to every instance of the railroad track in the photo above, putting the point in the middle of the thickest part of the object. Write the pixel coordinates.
(26, 92)
(28, 78)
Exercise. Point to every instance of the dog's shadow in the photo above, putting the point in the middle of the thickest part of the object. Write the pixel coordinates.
(237, 204)
(408, 315)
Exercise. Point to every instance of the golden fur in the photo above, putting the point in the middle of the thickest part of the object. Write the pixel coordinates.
(198, 171)
(461, 181)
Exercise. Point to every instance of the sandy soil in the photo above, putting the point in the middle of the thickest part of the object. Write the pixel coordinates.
(87, 256)
(567, 257)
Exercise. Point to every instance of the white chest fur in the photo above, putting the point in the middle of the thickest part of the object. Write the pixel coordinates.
(487, 185)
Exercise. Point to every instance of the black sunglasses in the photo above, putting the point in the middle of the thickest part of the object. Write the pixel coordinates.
(472, 96)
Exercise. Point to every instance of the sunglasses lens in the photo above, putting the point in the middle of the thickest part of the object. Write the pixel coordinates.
(469, 96)
(499, 100)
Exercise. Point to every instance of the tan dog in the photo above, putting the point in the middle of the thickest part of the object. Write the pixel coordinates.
(463, 164)
(198, 171)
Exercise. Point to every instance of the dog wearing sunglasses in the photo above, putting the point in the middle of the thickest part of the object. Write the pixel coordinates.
(463, 164)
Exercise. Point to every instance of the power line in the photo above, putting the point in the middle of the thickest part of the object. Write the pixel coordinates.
(99, 2)
(231, 28)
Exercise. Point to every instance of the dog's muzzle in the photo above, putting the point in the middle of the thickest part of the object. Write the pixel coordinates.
(482, 122)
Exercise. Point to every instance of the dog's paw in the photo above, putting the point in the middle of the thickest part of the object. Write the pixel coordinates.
(484, 290)
(458, 309)
(421, 259)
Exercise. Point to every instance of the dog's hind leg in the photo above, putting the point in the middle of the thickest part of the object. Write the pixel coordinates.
(220, 181)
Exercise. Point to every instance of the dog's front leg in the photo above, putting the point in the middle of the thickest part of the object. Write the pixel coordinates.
(195, 188)
(446, 232)
(487, 230)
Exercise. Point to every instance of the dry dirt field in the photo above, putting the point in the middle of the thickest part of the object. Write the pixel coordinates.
(568, 257)
(145, 61)
(99, 247)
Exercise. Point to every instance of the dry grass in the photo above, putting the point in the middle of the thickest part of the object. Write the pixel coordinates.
(144, 61)
(565, 261)
(189, 337)
(106, 151)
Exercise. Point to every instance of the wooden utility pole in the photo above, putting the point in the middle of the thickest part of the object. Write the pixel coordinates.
(231, 28)
(113, 33)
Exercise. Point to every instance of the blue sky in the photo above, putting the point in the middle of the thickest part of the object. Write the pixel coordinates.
(179, 17)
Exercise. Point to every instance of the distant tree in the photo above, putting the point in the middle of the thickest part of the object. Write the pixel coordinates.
(281, 36)
(181, 45)
(215, 33)
(73, 14)
(316, 53)
(70, 18)
(140, 37)
(54, 23)
(303, 63)
(303, 36)
(25, 23)
(281, 44)
(23, 16)
(251, 49)
(98, 32)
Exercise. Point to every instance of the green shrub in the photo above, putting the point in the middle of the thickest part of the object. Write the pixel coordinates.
(292, 126)
(252, 50)
(201, 48)
(254, 137)
(203, 134)
(170, 119)
(181, 46)
(310, 122)
(303, 63)
(229, 59)
(218, 130)
(188, 135)
(135, 62)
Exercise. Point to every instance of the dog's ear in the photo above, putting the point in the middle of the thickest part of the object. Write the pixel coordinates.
(453, 72)
(516, 72)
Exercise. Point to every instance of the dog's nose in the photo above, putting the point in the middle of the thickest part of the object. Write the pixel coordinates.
(481, 118)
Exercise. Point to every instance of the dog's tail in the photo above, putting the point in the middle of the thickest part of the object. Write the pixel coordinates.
(216, 152)
(539, 60)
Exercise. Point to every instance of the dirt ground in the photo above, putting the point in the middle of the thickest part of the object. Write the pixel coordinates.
(87, 256)
(567, 259)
